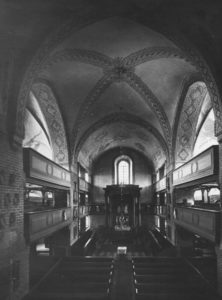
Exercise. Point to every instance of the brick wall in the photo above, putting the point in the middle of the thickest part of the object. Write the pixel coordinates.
(13, 250)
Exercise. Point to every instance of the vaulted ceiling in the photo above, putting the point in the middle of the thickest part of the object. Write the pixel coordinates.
(117, 66)
(116, 75)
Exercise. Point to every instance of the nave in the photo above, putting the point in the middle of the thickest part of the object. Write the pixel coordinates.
(122, 268)
(110, 149)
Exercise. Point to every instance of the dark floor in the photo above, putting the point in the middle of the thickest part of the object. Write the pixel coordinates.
(146, 271)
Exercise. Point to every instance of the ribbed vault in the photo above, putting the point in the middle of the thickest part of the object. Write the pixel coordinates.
(128, 69)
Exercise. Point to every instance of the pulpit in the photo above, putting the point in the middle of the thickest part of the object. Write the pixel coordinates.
(122, 203)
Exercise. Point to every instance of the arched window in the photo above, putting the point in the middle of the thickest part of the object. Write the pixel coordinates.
(206, 136)
(37, 134)
(123, 170)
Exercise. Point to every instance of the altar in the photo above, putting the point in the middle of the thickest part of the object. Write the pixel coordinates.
(122, 204)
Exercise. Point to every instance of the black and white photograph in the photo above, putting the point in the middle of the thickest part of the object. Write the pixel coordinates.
(110, 149)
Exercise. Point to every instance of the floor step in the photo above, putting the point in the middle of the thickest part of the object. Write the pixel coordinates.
(153, 271)
(166, 278)
(176, 296)
(68, 296)
(165, 288)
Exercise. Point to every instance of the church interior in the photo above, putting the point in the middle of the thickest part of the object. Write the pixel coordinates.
(110, 150)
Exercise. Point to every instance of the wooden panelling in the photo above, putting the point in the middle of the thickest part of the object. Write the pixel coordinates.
(83, 185)
(38, 167)
(203, 165)
(161, 184)
(200, 221)
(43, 223)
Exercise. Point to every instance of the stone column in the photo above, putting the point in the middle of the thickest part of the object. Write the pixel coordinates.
(170, 208)
(139, 211)
(72, 200)
(107, 209)
(134, 212)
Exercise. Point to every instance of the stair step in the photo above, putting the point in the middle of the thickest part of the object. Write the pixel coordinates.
(171, 286)
(84, 270)
(155, 288)
(159, 264)
(96, 264)
(74, 287)
(87, 259)
(153, 271)
(73, 277)
(166, 278)
(157, 259)
(68, 296)
(175, 296)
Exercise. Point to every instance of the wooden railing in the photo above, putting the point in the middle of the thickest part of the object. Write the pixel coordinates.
(43, 223)
(161, 185)
(203, 165)
(205, 223)
(83, 185)
(39, 168)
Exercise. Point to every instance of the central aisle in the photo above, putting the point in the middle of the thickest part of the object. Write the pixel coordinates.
(123, 287)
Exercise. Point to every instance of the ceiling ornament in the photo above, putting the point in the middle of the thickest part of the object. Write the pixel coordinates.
(79, 20)
(121, 70)
(61, 33)
(92, 97)
(124, 118)
(117, 65)
(187, 81)
(153, 53)
(80, 55)
(50, 109)
(195, 58)
(142, 89)
(187, 122)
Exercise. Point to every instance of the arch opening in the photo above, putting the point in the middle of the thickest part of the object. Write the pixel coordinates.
(123, 166)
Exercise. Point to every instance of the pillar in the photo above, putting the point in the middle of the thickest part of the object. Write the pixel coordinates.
(171, 200)
(139, 211)
(107, 209)
(134, 212)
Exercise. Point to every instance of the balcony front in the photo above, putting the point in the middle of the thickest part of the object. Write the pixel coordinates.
(203, 222)
(39, 224)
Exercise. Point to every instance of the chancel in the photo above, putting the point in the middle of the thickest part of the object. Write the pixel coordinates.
(110, 150)
(123, 206)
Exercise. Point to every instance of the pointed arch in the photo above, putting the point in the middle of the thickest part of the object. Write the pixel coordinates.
(185, 131)
(48, 103)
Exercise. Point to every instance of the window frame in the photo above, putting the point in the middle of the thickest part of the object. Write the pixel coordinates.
(117, 162)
